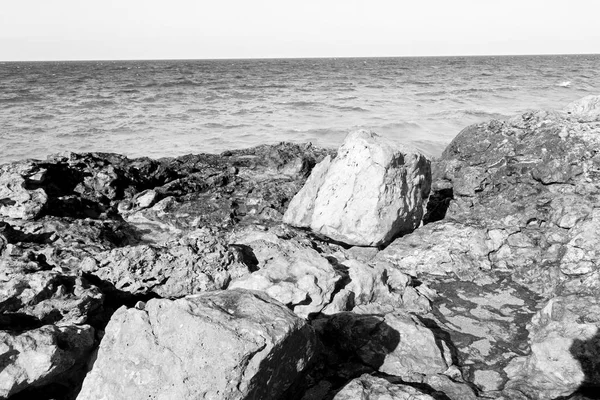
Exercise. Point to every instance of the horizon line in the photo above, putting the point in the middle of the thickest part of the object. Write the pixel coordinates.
(296, 58)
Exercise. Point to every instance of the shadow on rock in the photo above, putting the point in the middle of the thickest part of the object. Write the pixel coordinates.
(587, 353)
(438, 204)
(392, 347)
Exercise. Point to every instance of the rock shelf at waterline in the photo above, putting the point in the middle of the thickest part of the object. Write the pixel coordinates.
(240, 275)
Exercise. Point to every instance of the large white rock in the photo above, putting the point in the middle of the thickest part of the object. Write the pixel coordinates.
(586, 108)
(234, 344)
(370, 192)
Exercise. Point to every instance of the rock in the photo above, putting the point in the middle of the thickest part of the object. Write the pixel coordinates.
(291, 272)
(17, 198)
(146, 198)
(233, 344)
(586, 109)
(395, 344)
(375, 289)
(452, 389)
(43, 355)
(198, 262)
(565, 350)
(368, 387)
(30, 297)
(527, 192)
(441, 248)
(368, 194)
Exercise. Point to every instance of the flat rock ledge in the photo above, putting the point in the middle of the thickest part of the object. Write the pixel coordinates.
(475, 276)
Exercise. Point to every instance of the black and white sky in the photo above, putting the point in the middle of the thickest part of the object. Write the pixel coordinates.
(194, 29)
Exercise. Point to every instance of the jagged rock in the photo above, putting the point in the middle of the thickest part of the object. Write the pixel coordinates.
(585, 109)
(375, 289)
(441, 248)
(196, 263)
(43, 355)
(31, 297)
(450, 388)
(365, 196)
(233, 344)
(528, 187)
(17, 199)
(565, 350)
(289, 271)
(396, 344)
(368, 387)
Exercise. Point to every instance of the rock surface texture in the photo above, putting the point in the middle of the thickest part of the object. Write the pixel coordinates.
(369, 193)
(222, 345)
(178, 278)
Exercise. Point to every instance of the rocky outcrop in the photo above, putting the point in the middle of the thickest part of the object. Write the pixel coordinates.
(234, 344)
(514, 224)
(290, 272)
(183, 273)
(372, 388)
(369, 193)
(48, 354)
(565, 350)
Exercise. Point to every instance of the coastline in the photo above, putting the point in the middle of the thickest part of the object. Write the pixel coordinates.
(483, 285)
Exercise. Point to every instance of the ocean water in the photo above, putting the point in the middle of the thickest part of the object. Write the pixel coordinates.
(168, 108)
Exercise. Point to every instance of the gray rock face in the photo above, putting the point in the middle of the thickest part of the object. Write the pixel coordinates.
(370, 192)
(291, 272)
(43, 355)
(565, 350)
(193, 264)
(234, 344)
(371, 388)
(585, 109)
(521, 227)
(396, 343)
(18, 199)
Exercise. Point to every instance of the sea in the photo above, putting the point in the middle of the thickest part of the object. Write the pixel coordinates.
(176, 107)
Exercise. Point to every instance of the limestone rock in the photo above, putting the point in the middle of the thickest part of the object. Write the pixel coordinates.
(565, 350)
(43, 355)
(289, 271)
(368, 387)
(30, 298)
(396, 344)
(18, 197)
(529, 187)
(586, 109)
(441, 248)
(195, 263)
(368, 194)
(234, 344)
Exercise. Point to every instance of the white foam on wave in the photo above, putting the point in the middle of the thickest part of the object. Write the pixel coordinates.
(564, 84)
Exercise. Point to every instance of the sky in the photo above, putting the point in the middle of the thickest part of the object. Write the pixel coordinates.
(203, 29)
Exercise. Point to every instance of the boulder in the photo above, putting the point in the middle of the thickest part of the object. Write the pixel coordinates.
(565, 350)
(526, 190)
(291, 272)
(372, 388)
(37, 357)
(234, 344)
(585, 109)
(369, 193)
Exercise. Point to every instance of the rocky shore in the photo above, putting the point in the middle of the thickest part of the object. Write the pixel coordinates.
(293, 272)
